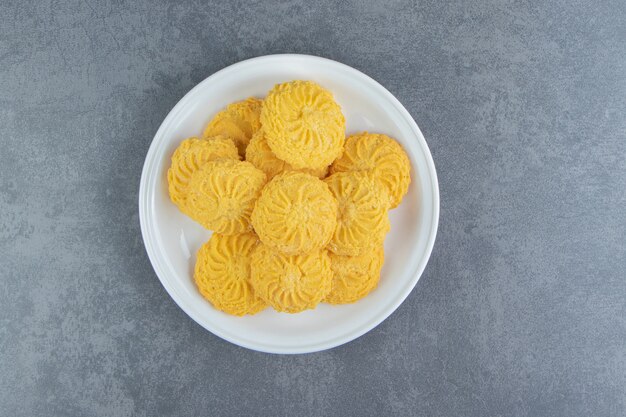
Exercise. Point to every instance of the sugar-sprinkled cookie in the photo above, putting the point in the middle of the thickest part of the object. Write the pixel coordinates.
(238, 121)
(222, 195)
(190, 155)
(261, 156)
(290, 283)
(362, 220)
(382, 157)
(354, 276)
(222, 274)
(303, 124)
(296, 213)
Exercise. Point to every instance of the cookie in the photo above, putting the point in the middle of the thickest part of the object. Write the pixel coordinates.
(261, 156)
(190, 155)
(362, 220)
(290, 283)
(222, 195)
(354, 276)
(296, 213)
(303, 124)
(380, 156)
(222, 274)
(238, 121)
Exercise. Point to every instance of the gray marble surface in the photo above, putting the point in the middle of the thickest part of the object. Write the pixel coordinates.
(521, 310)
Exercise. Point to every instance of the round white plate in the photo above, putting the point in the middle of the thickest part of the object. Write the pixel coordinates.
(172, 239)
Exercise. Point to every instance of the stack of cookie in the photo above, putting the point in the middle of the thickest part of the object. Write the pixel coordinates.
(299, 212)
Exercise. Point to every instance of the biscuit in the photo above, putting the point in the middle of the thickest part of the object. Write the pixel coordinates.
(290, 283)
(296, 213)
(362, 220)
(222, 274)
(222, 195)
(303, 124)
(382, 157)
(261, 156)
(354, 276)
(238, 121)
(190, 155)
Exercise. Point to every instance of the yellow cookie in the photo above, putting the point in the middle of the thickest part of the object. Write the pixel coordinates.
(190, 155)
(354, 276)
(222, 274)
(222, 195)
(303, 124)
(290, 283)
(380, 156)
(362, 220)
(261, 156)
(295, 214)
(238, 121)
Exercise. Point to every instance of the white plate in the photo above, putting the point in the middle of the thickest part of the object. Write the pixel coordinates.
(172, 239)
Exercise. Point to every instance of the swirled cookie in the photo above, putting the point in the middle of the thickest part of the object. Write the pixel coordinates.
(290, 283)
(222, 195)
(295, 214)
(354, 276)
(222, 274)
(303, 124)
(362, 220)
(190, 155)
(238, 121)
(380, 156)
(261, 156)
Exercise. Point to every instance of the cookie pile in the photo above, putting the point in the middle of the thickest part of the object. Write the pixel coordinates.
(299, 212)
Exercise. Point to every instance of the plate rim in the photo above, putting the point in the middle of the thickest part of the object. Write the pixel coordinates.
(160, 265)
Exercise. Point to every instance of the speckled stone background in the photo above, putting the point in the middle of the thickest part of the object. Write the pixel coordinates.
(521, 310)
